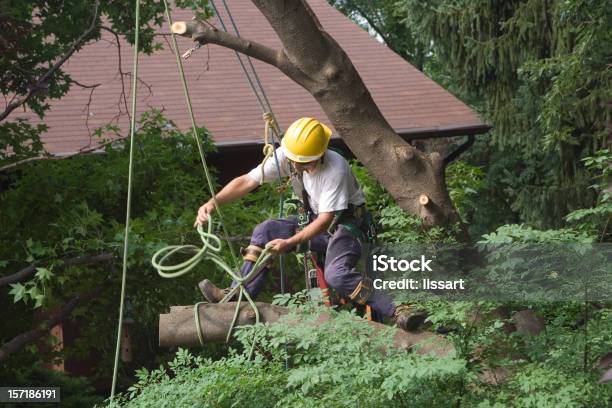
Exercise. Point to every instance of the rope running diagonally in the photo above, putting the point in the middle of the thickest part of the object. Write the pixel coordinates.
(264, 103)
(274, 129)
(179, 63)
(129, 198)
(209, 250)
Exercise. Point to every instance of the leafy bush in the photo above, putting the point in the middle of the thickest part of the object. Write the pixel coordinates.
(341, 364)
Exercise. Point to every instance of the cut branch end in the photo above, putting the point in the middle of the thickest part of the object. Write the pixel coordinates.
(424, 200)
(180, 27)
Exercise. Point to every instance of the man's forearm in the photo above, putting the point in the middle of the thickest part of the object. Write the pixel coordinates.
(319, 225)
(235, 189)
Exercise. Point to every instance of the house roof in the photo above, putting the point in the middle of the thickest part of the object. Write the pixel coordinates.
(414, 105)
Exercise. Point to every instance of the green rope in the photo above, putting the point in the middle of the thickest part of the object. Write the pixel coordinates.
(179, 63)
(210, 251)
(129, 198)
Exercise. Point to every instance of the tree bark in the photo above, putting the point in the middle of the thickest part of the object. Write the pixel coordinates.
(178, 327)
(323, 69)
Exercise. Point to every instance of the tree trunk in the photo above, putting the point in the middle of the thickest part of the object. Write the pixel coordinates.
(324, 70)
(178, 327)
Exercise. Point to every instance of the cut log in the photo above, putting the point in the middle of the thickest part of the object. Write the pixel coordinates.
(178, 328)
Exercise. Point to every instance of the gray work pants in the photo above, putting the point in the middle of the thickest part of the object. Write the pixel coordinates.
(342, 250)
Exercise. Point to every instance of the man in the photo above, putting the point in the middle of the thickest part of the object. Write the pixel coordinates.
(326, 184)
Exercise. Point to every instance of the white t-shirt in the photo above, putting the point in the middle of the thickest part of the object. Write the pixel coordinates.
(331, 187)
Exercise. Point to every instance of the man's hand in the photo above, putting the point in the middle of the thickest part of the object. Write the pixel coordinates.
(279, 246)
(204, 212)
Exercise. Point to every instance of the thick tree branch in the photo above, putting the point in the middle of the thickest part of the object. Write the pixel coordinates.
(211, 35)
(296, 25)
(80, 260)
(21, 340)
(42, 83)
(336, 85)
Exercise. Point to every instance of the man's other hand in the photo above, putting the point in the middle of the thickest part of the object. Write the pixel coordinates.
(279, 246)
(203, 213)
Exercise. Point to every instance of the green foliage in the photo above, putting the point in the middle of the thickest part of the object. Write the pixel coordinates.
(464, 183)
(385, 20)
(540, 386)
(520, 233)
(341, 364)
(38, 33)
(291, 299)
(344, 363)
(539, 70)
(20, 140)
(595, 220)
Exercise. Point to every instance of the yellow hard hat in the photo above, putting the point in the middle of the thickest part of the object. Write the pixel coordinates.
(306, 140)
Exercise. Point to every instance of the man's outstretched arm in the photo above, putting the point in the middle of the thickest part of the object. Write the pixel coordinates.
(235, 189)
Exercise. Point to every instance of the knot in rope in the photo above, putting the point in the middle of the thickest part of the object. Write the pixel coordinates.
(268, 149)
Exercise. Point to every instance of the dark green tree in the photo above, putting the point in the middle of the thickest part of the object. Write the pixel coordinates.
(541, 70)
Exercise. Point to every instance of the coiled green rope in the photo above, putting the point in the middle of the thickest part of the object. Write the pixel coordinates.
(210, 251)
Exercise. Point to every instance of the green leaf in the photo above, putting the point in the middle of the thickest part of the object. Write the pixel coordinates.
(43, 274)
(18, 291)
(39, 300)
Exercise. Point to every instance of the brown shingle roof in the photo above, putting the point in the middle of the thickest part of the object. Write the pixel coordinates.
(224, 103)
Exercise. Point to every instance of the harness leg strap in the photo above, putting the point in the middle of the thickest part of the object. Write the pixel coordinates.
(362, 292)
(251, 253)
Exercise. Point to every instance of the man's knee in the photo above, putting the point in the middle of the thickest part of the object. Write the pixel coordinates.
(265, 232)
(350, 284)
(334, 278)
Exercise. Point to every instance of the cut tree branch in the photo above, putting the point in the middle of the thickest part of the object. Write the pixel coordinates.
(78, 261)
(42, 83)
(206, 34)
(21, 340)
